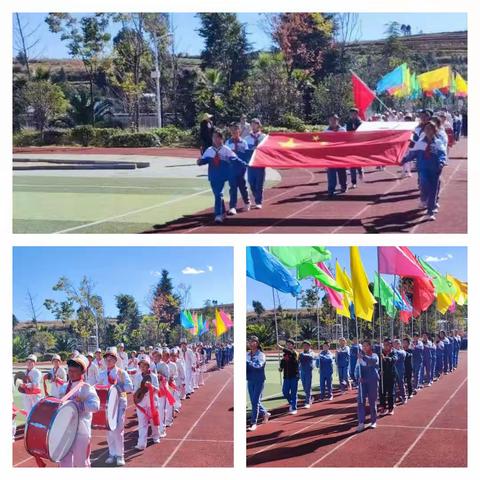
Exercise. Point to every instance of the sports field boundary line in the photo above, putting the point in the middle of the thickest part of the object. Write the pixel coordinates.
(341, 444)
(132, 212)
(170, 457)
(427, 427)
(123, 187)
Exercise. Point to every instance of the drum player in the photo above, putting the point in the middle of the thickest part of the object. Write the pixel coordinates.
(57, 376)
(30, 389)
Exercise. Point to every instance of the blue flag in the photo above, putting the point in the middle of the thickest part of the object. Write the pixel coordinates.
(185, 320)
(265, 268)
(399, 302)
(390, 80)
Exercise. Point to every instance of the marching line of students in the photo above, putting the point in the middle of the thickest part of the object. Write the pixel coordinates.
(384, 375)
(159, 378)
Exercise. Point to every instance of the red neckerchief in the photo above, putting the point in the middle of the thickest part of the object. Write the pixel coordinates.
(110, 381)
(68, 387)
(216, 158)
(235, 144)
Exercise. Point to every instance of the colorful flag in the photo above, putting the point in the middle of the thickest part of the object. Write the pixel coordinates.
(194, 330)
(435, 79)
(266, 268)
(344, 282)
(406, 314)
(461, 86)
(362, 96)
(382, 291)
(460, 290)
(311, 270)
(332, 149)
(227, 320)
(395, 261)
(186, 321)
(362, 297)
(293, 256)
(392, 80)
(199, 323)
(206, 327)
(334, 297)
(220, 327)
(399, 301)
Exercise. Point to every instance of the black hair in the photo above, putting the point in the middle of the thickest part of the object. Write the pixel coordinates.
(217, 131)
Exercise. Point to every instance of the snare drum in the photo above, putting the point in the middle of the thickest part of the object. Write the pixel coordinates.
(51, 428)
(107, 416)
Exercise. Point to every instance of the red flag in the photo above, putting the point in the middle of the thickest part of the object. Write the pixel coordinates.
(362, 96)
(332, 149)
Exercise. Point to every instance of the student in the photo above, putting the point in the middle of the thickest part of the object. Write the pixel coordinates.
(218, 355)
(88, 403)
(163, 374)
(220, 160)
(122, 360)
(172, 369)
(367, 379)
(245, 128)
(98, 360)
(400, 370)
(431, 157)
(342, 359)
(206, 132)
(388, 359)
(450, 352)
(456, 348)
(427, 361)
(407, 346)
(417, 362)
(333, 173)
(58, 376)
(91, 374)
(256, 381)
(433, 359)
(351, 125)
(113, 375)
(440, 354)
(238, 146)
(306, 360)
(30, 389)
(256, 175)
(324, 363)
(354, 347)
(289, 367)
(187, 356)
(447, 350)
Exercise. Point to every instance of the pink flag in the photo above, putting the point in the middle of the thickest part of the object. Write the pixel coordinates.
(226, 319)
(452, 307)
(398, 261)
(335, 298)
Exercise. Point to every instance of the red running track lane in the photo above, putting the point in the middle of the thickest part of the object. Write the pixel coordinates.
(201, 436)
(430, 431)
(382, 203)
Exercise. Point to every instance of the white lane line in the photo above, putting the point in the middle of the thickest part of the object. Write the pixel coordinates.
(332, 450)
(106, 186)
(132, 212)
(429, 424)
(23, 461)
(167, 461)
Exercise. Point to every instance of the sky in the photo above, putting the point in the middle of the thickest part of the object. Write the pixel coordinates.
(452, 260)
(372, 27)
(114, 270)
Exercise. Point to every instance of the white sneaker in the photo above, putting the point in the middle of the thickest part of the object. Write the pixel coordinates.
(163, 434)
(307, 405)
(293, 412)
(156, 440)
(331, 397)
(258, 206)
(232, 211)
(140, 449)
(361, 427)
(435, 210)
(110, 460)
(252, 428)
(247, 207)
(422, 205)
(266, 417)
(432, 217)
(373, 425)
(218, 219)
(290, 409)
(390, 412)
(120, 461)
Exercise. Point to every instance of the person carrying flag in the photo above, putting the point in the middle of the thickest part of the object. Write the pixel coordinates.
(342, 359)
(256, 175)
(417, 362)
(354, 347)
(407, 347)
(400, 370)
(289, 367)
(324, 363)
(388, 359)
(367, 379)
(306, 360)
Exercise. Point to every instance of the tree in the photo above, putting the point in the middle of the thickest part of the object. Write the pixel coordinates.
(32, 308)
(128, 312)
(47, 101)
(15, 321)
(81, 110)
(264, 332)
(310, 298)
(86, 39)
(164, 303)
(65, 342)
(226, 46)
(332, 95)
(210, 93)
(25, 41)
(20, 346)
(258, 308)
(62, 311)
(43, 341)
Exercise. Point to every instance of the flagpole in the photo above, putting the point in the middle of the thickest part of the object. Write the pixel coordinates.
(318, 324)
(380, 320)
(276, 329)
(361, 81)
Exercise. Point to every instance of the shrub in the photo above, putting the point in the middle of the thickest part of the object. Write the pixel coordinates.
(292, 122)
(269, 129)
(84, 135)
(64, 355)
(26, 139)
(103, 136)
(134, 139)
(56, 137)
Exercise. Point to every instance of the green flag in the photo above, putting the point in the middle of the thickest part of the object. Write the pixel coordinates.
(310, 270)
(441, 283)
(382, 291)
(293, 256)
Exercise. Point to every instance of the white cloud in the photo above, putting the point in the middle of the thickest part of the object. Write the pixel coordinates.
(210, 268)
(155, 273)
(430, 258)
(192, 271)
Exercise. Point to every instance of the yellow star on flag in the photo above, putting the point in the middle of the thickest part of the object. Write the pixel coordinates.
(315, 138)
(288, 144)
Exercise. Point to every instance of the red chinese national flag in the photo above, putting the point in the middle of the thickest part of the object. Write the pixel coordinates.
(332, 149)
(362, 96)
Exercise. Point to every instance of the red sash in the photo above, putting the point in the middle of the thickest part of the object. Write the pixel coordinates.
(30, 390)
(154, 415)
(163, 391)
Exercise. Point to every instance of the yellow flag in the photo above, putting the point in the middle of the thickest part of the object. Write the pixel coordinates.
(444, 300)
(220, 326)
(461, 85)
(347, 296)
(362, 297)
(461, 290)
(438, 78)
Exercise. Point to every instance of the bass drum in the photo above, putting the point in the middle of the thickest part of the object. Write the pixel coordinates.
(51, 428)
(107, 416)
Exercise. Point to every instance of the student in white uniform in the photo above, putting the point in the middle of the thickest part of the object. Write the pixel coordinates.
(57, 377)
(189, 359)
(31, 389)
(122, 358)
(163, 373)
(119, 377)
(91, 374)
(172, 367)
(179, 380)
(88, 402)
(99, 361)
(146, 401)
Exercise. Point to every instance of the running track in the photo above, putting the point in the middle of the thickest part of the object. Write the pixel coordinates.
(201, 436)
(430, 431)
(382, 203)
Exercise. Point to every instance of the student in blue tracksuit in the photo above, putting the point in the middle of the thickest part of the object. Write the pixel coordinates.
(218, 355)
(447, 352)
(238, 182)
(324, 363)
(221, 162)
(306, 361)
(433, 359)
(388, 359)
(407, 346)
(431, 157)
(451, 352)
(289, 367)
(440, 357)
(400, 370)
(333, 173)
(342, 359)
(256, 175)
(354, 347)
(427, 360)
(367, 379)
(417, 362)
(256, 381)
(456, 348)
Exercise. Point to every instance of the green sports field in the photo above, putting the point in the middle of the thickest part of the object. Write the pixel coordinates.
(19, 404)
(76, 204)
(272, 393)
